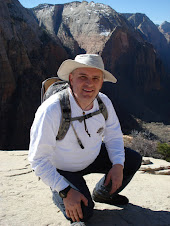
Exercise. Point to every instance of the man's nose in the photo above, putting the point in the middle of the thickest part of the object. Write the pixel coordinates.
(89, 82)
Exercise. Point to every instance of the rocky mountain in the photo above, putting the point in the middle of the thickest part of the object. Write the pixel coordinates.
(34, 42)
(97, 28)
(86, 25)
(165, 29)
(27, 56)
(152, 34)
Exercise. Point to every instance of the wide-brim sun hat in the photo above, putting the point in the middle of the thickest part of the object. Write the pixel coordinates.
(84, 61)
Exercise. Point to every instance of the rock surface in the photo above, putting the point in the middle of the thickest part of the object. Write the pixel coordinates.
(152, 34)
(27, 56)
(155, 166)
(165, 29)
(26, 201)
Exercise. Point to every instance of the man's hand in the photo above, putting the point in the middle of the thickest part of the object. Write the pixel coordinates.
(116, 176)
(72, 204)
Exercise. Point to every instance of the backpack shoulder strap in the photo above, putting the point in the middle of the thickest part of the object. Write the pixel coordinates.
(102, 108)
(66, 114)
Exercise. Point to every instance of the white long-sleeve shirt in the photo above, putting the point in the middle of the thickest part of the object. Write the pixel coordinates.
(46, 154)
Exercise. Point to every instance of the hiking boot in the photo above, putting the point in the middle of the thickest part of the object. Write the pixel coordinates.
(116, 199)
(80, 223)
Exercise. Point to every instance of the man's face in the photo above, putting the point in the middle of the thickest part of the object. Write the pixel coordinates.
(86, 83)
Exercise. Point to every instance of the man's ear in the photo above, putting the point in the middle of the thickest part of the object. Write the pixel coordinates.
(70, 78)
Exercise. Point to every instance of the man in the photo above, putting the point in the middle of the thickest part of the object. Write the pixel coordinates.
(94, 145)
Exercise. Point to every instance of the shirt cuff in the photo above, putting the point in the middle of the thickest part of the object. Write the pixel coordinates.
(61, 185)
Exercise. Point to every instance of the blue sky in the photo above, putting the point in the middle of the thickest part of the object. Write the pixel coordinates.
(157, 10)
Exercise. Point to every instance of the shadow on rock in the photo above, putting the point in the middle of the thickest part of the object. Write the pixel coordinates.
(130, 215)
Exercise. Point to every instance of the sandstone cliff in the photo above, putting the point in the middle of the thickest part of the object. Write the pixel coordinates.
(165, 29)
(97, 28)
(34, 42)
(26, 54)
(152, 34)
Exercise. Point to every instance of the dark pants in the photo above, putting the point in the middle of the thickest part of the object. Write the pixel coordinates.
(102, 164)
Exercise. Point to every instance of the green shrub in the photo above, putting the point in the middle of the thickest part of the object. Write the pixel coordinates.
(164, 150)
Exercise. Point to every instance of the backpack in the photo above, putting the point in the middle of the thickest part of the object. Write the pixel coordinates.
(54, 85)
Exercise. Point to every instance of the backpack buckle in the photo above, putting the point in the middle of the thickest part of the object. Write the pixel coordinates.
(67, 119)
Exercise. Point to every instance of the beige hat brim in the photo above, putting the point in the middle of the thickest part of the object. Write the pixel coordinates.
(70, 65)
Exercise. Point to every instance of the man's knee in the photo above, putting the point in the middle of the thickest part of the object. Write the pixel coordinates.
(87, 210)
(133, 159)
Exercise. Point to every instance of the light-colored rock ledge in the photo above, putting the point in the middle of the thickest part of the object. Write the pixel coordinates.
(25, 201)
